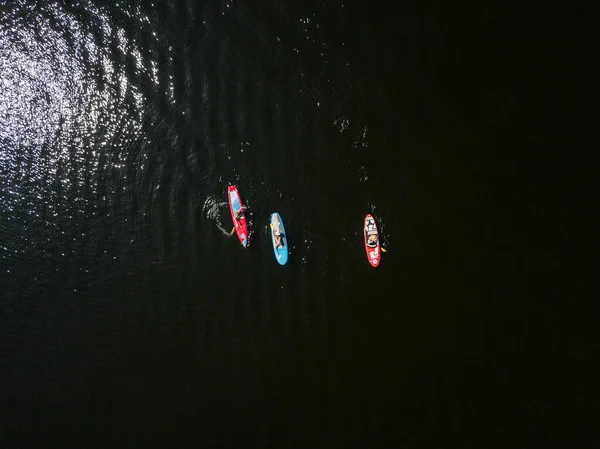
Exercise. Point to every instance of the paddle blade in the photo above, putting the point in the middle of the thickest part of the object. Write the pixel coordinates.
(383, 249)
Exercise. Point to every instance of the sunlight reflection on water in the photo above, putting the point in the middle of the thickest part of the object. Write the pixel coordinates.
(69, 113)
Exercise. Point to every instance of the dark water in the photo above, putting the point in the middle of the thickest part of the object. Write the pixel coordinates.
(128, 318)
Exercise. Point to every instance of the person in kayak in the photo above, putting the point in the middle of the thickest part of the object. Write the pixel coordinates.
(279, 241)
(240, 213)
(372, 240)
(278, 236)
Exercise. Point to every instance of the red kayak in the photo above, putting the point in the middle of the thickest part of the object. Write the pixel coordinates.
(372, 241)
(235, 204)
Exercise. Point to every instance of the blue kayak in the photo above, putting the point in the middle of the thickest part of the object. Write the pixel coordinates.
(279, 239)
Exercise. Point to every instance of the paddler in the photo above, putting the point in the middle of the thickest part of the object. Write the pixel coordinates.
(239, 214)
(276, 227)
(372, 240)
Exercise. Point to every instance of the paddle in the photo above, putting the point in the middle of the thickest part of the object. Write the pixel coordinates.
(383, 249)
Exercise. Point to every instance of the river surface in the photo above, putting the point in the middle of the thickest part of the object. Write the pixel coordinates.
(130, 318)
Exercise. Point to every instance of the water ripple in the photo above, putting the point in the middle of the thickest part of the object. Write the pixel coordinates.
(73, 123)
